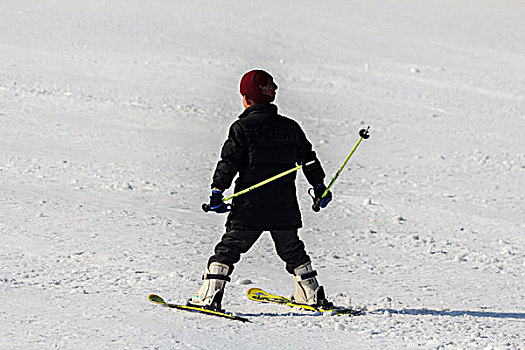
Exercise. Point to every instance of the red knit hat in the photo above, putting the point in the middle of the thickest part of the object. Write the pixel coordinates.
(258, 86)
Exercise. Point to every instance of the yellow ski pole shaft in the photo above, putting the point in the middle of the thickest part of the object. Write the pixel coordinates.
(363, 135)
(206, 207)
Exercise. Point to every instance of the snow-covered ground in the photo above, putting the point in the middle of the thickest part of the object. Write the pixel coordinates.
(112, 114)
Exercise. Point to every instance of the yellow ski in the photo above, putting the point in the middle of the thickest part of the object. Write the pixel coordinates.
(158, 300)
(261, 296)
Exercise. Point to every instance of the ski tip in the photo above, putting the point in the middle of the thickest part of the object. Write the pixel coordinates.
(154, 298)
(253, 290)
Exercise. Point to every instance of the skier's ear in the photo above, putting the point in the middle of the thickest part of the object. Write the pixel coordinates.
(246, 101)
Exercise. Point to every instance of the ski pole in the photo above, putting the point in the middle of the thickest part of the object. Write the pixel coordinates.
(363, 135)
(206, 207)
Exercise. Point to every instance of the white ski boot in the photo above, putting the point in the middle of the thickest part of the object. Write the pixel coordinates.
(210, 293)
(307, 289)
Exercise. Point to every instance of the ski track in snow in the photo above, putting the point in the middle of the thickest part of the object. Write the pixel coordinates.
(111, 119)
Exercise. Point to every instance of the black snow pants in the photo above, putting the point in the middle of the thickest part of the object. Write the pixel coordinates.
(236, 242)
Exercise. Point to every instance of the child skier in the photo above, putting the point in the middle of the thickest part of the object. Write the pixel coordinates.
(261, 144)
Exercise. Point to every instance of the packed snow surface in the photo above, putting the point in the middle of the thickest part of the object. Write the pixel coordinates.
(112, 115)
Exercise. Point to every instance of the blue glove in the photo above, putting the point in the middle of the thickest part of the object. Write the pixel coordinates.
(318, 192)
(216, 203)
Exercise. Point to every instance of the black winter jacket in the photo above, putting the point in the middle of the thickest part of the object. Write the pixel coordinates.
(262, 144)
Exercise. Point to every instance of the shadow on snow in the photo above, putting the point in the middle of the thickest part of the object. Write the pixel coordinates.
(453, 313)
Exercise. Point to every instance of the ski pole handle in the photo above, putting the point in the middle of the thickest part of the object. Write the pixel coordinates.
(317, 203)
(206, 207)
